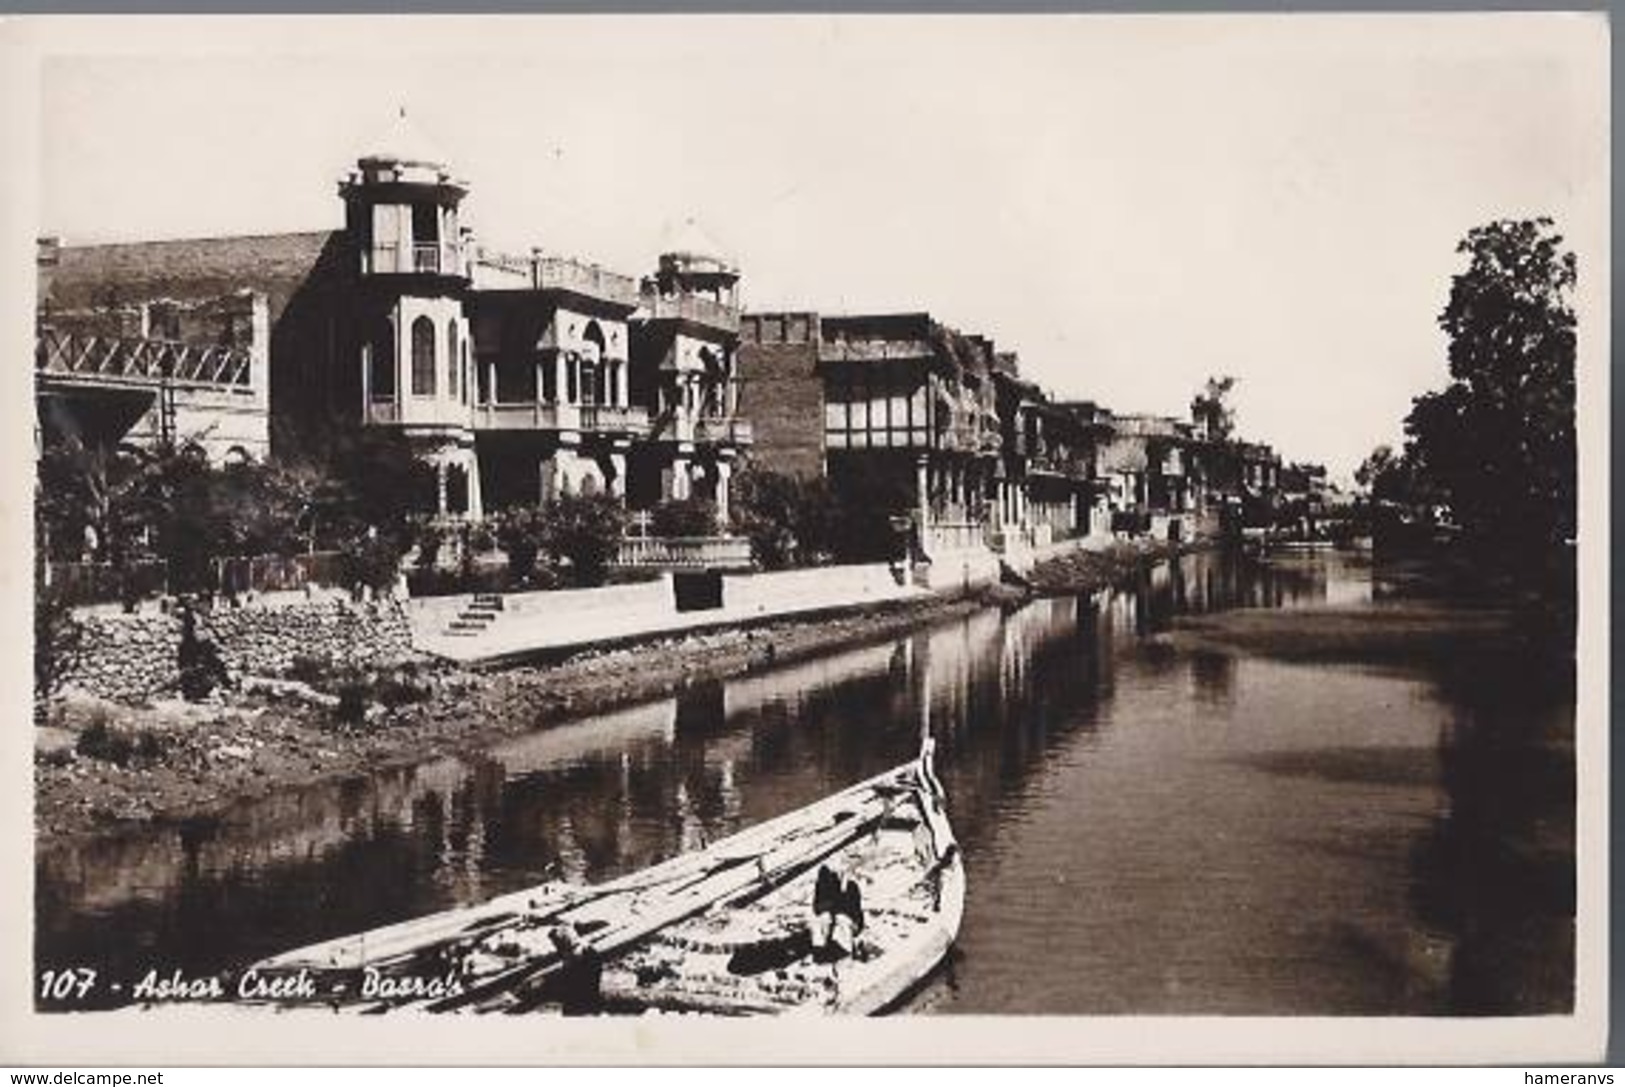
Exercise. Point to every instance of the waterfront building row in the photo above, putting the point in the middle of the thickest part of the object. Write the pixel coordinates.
(524, 376)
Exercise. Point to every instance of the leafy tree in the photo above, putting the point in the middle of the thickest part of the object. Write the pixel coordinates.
(1211, 409)
(788, 518)
(1498, 442)
(584, 531)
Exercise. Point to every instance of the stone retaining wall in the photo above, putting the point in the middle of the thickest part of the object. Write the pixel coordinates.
(130, 657)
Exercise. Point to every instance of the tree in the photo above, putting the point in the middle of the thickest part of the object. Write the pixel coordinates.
(1498, 442)
(1211, 410)
(788, 519)
(582, 530)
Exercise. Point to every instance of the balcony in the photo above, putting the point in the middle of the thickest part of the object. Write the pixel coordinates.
(614, 419)
(588, 280)
(528, 415)
(426, 259)
(695, 308)
(112, 360)
(597, 418)
(873, 350)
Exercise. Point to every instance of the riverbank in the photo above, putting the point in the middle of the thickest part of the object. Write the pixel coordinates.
(103, 764)
(100, 765)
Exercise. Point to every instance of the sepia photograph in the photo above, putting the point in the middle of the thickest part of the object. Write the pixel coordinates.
(991, 520)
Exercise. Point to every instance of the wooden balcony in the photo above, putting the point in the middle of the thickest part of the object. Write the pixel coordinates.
(874, 350)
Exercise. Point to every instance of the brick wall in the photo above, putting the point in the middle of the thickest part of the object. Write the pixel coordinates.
(781, 392)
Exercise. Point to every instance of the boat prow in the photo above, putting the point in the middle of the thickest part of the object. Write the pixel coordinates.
(843, 906)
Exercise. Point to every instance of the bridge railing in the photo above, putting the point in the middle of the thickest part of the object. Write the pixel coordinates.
(126, 359)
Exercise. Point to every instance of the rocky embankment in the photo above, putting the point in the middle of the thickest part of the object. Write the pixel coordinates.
(102, 763)
(1080, 571)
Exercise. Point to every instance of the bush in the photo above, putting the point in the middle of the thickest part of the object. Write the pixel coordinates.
(790, 520)
(430, 541)
(684, 517)
(580, 533)
(371, 559)
(102, 741)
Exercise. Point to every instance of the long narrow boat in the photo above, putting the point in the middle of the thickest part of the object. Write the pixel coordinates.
(722, 930)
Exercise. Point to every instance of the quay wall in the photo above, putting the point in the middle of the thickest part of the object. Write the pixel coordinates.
(129, 657)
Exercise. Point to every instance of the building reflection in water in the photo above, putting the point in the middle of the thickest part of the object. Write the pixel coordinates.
(1003, 692)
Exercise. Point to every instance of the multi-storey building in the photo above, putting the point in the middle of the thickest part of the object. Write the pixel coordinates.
(896, 408)
(518, 378)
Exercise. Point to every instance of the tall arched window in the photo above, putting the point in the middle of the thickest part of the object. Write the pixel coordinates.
(423, 357)
(451, 359)
(467, 378)
(382, 363)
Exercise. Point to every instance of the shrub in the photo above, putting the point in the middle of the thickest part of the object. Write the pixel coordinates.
(121, 748)
(430, 541)
(790, 520)
(371, 559)
(684, 517)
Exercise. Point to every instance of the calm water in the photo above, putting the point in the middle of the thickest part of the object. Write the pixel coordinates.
(1147, 829)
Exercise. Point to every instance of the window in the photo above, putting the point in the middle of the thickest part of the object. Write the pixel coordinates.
(451, 358)
(465, 371)
(382, 362)
(423, 357)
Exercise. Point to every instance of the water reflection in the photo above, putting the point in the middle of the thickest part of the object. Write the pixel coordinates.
(1146, 830)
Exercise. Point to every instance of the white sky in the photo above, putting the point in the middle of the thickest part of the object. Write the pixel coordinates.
(1132, 203)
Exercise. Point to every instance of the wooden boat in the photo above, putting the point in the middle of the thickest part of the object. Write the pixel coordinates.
(721, 930)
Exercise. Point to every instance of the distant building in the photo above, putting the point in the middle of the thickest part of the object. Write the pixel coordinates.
(518, 378)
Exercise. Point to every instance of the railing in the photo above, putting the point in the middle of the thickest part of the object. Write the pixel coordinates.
(531, 415)
(84, 583)
(696, 308)
(684, 552)
(953, 536)
(114, 360)
(426, 258)
(873, 350)
(564, 274)
(731, 431)
(526, 415)
(613, 418)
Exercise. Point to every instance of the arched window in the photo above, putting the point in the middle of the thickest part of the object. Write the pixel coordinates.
(451, 358)
(423, 357)
(466, 375)
(382, 363)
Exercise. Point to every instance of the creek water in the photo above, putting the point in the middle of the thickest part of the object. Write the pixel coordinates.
(1148, 827)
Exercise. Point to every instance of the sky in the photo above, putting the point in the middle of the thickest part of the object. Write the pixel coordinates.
(1131, 203)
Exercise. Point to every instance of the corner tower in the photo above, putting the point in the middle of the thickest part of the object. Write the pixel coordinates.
(401, 213)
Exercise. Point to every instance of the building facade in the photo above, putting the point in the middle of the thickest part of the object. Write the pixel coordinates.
(517, 378)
